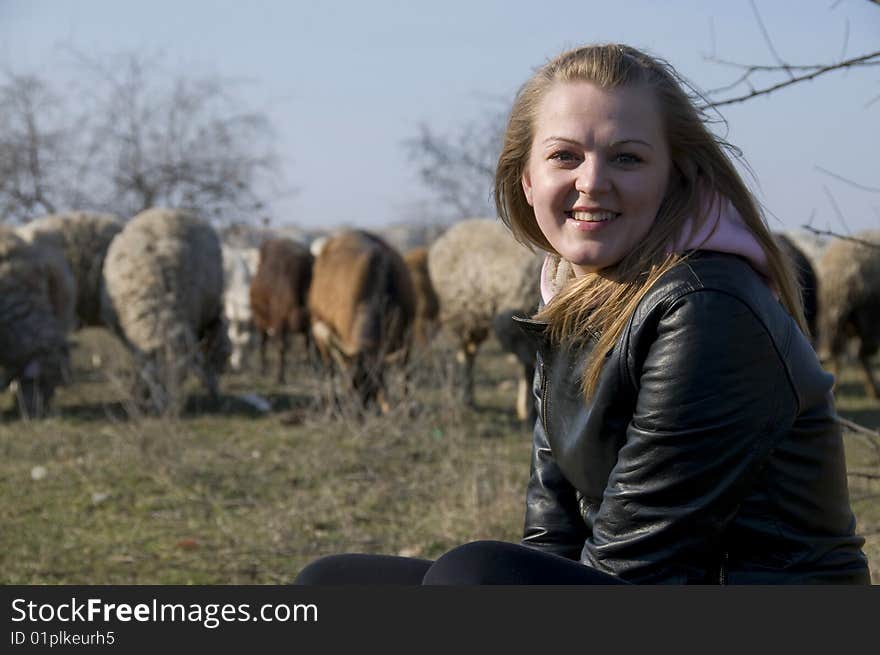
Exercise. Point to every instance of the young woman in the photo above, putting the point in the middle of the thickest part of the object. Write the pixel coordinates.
(686, 431)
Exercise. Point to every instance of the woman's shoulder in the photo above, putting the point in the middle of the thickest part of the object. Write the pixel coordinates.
(705, 272)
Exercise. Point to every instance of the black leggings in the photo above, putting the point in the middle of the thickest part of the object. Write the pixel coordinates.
(476, 563)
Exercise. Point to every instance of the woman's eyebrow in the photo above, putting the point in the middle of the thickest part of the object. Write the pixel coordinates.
(621, 142)
(613, 144)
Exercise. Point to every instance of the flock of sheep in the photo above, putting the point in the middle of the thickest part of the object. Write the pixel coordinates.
(183, 301)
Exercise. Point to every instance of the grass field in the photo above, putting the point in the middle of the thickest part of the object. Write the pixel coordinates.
(98, 494)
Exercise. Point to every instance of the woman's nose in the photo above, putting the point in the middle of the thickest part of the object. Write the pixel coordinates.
(592, 177)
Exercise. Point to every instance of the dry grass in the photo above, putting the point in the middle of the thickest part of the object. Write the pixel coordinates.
(223, 494)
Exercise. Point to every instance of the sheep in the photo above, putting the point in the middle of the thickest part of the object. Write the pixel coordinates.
(36, 309)
(479, 271)
(806, 276)
(83, 239)
(515, 341)
(362, 305)
(239, 267)
(849, 301)
(427, 305)
(163, 296)
(278, 293)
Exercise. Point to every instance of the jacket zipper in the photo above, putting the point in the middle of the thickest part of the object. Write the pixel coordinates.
(544, 400)
(722, 569)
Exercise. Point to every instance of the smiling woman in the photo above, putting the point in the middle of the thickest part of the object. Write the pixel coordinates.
(598, 171)
(686, 432)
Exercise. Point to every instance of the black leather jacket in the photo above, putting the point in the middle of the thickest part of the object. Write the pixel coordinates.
(709, 452)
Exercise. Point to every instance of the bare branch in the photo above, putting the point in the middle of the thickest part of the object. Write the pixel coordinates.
(838, 235)
(856, 427)
(847, 181)
(767, 39)
(871, 58)
(836, 208)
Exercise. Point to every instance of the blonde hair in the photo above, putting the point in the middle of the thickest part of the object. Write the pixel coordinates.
(601, 303)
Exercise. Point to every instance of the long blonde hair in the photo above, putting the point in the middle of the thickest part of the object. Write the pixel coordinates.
(601, 303)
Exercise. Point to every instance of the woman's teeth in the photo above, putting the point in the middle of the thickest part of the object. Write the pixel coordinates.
(592, 217)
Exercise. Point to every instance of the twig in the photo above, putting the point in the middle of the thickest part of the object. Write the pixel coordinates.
(855, 61)
(837, 235)
(836, 208)
(850, 182)
(855, 427)
(868, 474)
(869, 436)
(767, 39)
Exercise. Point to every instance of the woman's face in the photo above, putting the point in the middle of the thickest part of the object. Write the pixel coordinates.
(597, 171)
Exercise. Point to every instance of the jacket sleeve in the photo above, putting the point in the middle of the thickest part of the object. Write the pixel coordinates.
(713, 398)
(553, 522)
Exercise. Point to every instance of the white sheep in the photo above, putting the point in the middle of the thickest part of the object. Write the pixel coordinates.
(849, 301)
(36, 306)
(82, 238)
(239, 266)
(479, 271)
(163, 295)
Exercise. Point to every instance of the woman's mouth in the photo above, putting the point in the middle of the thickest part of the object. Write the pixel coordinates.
(598, 216)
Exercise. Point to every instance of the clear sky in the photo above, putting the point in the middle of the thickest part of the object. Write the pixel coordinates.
(345, 83)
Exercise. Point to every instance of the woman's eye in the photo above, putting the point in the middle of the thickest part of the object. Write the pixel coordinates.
(627, 158)
(563, 156)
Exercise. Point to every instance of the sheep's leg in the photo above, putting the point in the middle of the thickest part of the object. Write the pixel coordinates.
(283, 342)
(264, 364)
(466, 357)
(525, 401)
(870, 382)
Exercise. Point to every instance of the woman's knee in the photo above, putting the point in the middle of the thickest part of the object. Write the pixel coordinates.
(474, 563)
(325, 570)
(356, 568)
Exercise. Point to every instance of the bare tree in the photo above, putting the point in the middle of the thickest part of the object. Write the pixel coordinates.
(458, 169)
(141, 137)
(32, 143)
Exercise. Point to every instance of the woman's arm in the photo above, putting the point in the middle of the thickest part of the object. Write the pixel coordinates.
(713, 398)
(553, 521)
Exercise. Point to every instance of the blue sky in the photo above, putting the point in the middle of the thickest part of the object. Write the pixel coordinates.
(345, 83)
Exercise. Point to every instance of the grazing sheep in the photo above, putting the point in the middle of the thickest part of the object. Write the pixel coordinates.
(239, 267)
(163, 295)
(427, 305)
(83, 239)
(36, 306)
(362, 305)
(849, 301)
(278, 295)
(806, 276)
(522, 346)
(811, 244)
(479, 271)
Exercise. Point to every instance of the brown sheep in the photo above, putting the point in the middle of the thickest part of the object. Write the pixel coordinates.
(427, 304)
(278, 293)
(362, 305)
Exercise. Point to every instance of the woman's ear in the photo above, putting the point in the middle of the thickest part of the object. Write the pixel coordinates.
(527, 187)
